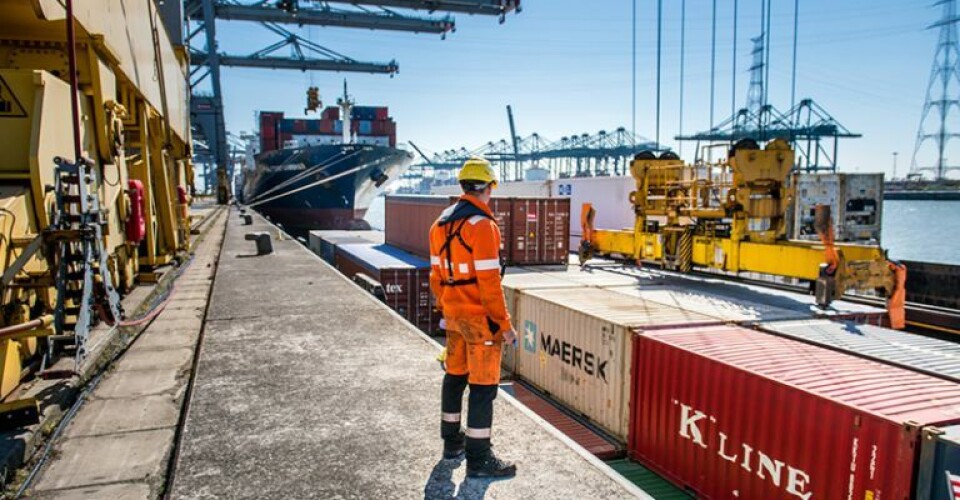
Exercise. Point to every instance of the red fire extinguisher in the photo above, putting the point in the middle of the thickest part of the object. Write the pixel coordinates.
(136, 221)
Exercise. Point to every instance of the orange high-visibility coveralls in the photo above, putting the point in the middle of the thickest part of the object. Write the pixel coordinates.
(465, 277)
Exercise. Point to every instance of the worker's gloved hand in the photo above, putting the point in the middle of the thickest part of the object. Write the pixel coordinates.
(510, 337)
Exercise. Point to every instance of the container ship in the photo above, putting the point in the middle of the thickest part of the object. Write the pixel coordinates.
(323, 174)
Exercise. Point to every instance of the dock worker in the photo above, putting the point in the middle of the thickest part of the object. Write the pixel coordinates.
(465, 278)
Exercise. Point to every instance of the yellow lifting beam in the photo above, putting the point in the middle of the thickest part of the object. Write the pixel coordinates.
(731, 217)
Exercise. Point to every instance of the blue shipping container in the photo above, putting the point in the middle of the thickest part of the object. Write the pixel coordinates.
(338, 126)
(366, 127)
(938, 477)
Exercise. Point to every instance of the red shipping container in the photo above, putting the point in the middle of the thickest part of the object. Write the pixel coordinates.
(330, 113)
(382, 113)
(540, 231)
(300, 126)
(404, 279)
(734, 413)
(407, 221)
(326, 126)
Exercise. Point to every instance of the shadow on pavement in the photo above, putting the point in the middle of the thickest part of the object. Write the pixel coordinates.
(440, 485)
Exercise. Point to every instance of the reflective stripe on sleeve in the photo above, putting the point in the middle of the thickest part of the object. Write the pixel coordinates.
(487, 264)
(478, 433)
(434, 260)
(450, 417)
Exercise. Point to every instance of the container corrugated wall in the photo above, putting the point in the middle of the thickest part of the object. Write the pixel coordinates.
(746, 303)
(576, 346)
(324, 243)
(407, 221)
(405, 280)
(938, 477)
(915, 352)
(731, 412)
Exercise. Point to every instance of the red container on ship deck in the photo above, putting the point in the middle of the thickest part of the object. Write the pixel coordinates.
(734, 413)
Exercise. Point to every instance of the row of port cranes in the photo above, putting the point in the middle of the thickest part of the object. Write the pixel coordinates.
(813, 133)
(193, 27)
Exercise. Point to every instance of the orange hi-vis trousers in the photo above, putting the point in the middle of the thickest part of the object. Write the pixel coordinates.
(473, 350)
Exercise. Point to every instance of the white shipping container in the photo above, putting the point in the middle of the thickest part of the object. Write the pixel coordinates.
(575, 345)
(855, 201)
(610, 197)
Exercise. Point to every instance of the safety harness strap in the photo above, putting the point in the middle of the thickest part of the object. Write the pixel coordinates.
(446, 252)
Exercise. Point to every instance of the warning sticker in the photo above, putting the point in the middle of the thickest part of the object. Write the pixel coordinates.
(10, 106)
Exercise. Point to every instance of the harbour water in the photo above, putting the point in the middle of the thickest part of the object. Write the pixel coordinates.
(912, 230)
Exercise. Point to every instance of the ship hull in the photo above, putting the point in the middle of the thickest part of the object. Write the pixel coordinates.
(321, 187)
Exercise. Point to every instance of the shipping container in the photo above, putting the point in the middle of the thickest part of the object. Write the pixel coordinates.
(407, 221)
(382, 113)
(539, 231)
(532, 189)
(364, 113)
(610, 197)
(404, 278)
(729, 412)
(331, 113)
(938, 477)
(928, 355)
(324, 243)
(746, 303)
(855, 201)
(365, 127)
(575, 345)
(591, 440)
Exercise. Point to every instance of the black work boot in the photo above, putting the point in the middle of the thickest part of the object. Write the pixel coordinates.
(490, 466)
(453, 447)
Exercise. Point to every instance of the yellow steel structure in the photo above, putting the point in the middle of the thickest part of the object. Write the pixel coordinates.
(134, 125)
(732, 217)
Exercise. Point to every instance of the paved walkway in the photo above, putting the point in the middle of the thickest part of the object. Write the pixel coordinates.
(306, 387)
(118, 445)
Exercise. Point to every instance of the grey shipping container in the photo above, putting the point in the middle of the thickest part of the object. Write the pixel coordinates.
(324, 243)
(938, 474)
(915, 352)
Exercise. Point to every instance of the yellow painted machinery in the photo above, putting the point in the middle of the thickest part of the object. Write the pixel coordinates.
(732, 216)
(94, 201)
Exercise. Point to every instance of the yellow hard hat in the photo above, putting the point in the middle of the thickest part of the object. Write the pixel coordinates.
(478, 170)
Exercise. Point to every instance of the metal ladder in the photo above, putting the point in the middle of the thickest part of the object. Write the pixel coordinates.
(85, 291)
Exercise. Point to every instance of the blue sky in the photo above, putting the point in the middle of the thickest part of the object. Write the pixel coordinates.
(565, 67)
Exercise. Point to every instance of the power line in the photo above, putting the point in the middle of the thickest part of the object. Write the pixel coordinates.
(659, 54)
(713, 62)
(633, 116)
(683, 35)
(733, 98)
(796, 25)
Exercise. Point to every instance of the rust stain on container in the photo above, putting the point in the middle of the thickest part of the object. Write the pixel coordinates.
(735, 413)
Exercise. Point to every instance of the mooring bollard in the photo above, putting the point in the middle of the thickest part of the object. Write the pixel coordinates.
(264, 245)
(247, 219)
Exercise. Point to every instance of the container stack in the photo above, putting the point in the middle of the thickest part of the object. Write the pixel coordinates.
(369, 125)
(324, 243)
(399, 279)
(533, 230)
(729, 390)
(729, 412)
